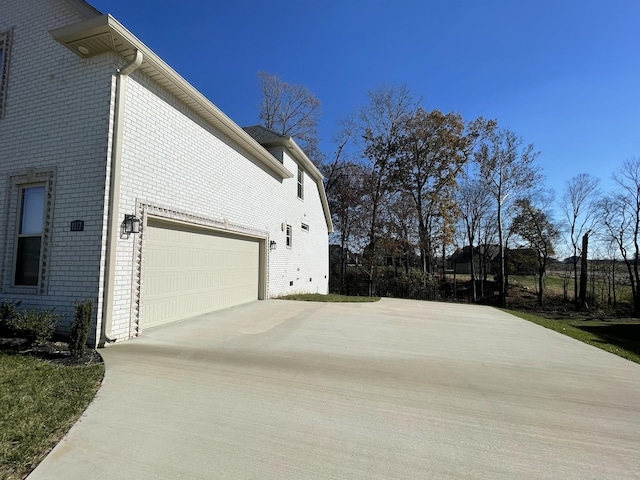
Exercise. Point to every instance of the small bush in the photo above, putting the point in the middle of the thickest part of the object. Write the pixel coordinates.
(81, 328)
(8, 311)
(36, 325)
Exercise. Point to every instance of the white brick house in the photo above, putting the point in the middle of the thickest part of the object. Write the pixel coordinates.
(94, 126)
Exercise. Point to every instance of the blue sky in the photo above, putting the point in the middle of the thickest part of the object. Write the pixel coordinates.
(563, 74)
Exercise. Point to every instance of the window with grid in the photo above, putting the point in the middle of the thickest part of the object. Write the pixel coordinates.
(289, 236)
(300, 182)
(29, 235)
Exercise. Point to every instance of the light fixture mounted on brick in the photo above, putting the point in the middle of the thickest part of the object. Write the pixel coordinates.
(131, 224)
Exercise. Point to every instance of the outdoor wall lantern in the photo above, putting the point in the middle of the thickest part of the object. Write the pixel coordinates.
(131, 224)
(272, 245)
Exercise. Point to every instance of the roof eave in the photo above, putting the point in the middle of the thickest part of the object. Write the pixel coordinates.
(104, 33)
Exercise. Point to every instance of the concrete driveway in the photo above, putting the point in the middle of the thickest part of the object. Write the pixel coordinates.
(394, 389)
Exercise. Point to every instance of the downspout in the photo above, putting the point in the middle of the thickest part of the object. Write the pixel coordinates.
(113, 221)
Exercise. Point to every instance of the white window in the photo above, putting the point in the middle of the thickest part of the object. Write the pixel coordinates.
(29, 235)
(289, 236)
(300, 182)
(5, 38)
(305, 227)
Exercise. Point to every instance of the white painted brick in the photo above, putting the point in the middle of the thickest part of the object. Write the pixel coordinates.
(56, 115)
(59, 113)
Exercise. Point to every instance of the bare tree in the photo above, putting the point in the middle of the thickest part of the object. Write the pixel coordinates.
(292, 110)
(621, 217)
(474, 205)
(580, 207)
(487, 241)
(507, 169)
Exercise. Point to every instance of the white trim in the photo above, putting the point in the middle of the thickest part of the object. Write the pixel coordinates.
(289, 236)
(16, 182)
(18, 235)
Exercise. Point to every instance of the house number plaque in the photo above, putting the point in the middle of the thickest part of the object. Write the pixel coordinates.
(77, 226)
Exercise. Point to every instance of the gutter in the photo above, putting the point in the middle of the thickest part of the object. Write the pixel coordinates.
(113, 221)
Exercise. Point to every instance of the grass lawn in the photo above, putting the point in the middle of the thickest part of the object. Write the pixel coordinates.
(332, 297)
(619, 339)
(39, 402)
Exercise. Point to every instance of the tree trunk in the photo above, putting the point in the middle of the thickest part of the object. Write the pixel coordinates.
(541, 286)
(472, 271)
(575, 277)
(343, 262)
(542, 269)
(502, 297)
(582, 300)
(636, 297)
(613, 282)
(444, 261)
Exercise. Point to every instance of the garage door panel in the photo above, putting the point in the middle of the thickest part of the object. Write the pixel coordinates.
(188, 271)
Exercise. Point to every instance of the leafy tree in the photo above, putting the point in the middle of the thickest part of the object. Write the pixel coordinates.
(377, 129)
(346, 204)
(535, 226)
(431, 152)
(507, 169)
(401, 231)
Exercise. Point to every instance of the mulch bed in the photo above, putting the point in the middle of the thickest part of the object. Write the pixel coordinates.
(56, 352)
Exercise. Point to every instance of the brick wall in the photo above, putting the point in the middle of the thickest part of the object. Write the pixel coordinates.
(55, 130)
(173, 159)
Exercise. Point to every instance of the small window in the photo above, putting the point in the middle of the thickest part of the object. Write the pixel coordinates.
(305, 227)
(300, 182)
(29, 237)
(5, 43)
(289, 236)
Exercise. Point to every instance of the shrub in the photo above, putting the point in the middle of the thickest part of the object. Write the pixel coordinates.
(81, 328)
(36, 325)
(8, 311)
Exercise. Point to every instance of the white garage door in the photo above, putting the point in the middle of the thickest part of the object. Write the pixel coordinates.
(189, 271)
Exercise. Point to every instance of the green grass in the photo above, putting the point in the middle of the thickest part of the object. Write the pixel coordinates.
(332, 297)
(552, 285)
(39, 402)
(589, 333)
